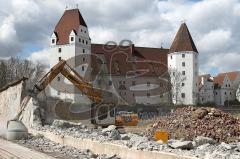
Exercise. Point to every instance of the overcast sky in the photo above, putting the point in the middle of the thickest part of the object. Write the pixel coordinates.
(26, 26)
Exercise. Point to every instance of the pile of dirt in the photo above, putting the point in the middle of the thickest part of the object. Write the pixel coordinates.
(190, 122)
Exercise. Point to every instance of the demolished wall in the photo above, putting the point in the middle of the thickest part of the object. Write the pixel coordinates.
(10, 99)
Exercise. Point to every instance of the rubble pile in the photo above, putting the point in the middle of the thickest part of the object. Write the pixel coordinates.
(190, 122)
(201, 147)
(40, 143)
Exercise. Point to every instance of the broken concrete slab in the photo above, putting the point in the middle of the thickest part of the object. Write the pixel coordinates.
(184, 145)
(201, 140)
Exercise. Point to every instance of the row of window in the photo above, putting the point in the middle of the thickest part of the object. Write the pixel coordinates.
(183, 73)
(183, 56)
(148, 94)
(216, 93)
(60, 50)
(72, 39)
(182, 95)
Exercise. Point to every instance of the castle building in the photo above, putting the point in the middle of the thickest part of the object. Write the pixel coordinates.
(136, 75)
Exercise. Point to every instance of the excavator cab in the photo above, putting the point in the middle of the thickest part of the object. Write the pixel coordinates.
(103, 114)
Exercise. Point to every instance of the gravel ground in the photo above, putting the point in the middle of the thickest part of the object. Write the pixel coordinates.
(202, 147)
(59, 151)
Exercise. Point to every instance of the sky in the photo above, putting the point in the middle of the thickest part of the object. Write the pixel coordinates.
(26, 26)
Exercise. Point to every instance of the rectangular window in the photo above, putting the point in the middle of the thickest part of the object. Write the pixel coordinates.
(83, 59)
(171, 57)
(148, 84)
(83, 50)
(183, 55)
(109, 83)
(183, 84)
(86, 42)
(183, 64)
(53, 41)
(173, 73)
(82, 68)
(133, 83)
(148, 95)
(58, 93)
(83, 41)
(59, 58)
(59, 78)
(59, 50)
(123, 82)
(79, 39)
(72, 38)
(183, 95)
(183, 72)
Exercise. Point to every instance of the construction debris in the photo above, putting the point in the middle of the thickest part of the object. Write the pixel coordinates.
(190, 122)
(42, 144)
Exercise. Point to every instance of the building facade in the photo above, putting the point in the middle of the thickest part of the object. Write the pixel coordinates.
(135, 75)
(206, 89)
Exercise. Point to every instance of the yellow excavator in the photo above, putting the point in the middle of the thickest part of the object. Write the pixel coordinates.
(102, 114)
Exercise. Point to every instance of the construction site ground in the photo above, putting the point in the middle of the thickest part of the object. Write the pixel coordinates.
(10, 150)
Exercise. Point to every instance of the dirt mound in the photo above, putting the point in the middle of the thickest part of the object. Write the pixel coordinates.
(190, 122)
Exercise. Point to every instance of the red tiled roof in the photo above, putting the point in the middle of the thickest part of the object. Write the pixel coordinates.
(218, 80)
(71, 20)
(183, 41)
(231, 75)
(152, 59)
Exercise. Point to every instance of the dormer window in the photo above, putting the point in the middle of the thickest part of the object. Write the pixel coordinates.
(72, 38)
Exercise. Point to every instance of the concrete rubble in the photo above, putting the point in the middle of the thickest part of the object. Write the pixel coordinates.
(60, 151)
(201, 147)
(190, 122)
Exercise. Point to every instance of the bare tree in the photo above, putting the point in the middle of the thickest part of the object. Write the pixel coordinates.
(176, 79)
(16, 68)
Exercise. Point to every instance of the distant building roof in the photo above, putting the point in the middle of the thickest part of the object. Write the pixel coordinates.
(183, 41)
(231, 75)
(70, 20)
(218, 80)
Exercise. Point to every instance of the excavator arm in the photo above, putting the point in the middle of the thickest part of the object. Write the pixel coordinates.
(63, 68)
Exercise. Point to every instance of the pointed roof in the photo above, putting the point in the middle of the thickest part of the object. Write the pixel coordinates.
(183, 41)
(70, 20)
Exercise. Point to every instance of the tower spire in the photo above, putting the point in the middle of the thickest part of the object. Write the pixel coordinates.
(183, 40)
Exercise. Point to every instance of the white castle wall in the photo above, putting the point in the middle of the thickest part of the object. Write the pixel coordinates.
(191, 73)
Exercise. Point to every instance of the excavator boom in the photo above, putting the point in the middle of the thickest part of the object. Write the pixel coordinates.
(63, 68)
